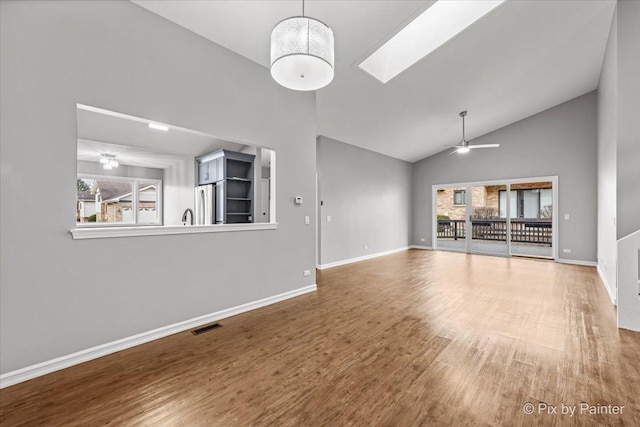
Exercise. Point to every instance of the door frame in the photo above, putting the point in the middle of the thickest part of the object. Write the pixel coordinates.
(508, 182)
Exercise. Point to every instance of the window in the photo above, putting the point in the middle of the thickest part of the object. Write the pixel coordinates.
(153, 173)
(528, 203)
(109, 200)
(458, 197)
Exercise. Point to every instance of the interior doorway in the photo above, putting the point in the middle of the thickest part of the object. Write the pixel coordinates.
(511, 217)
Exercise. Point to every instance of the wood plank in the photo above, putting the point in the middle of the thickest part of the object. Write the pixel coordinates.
(413, 338)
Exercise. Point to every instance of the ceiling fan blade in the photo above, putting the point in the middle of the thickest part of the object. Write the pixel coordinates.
(454, 151)
(485, 146)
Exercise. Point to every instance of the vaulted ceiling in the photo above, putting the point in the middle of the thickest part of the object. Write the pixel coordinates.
(522, 58)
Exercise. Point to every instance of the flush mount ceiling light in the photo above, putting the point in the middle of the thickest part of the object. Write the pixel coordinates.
(302, 53)
(464, 146)
(108, 161)
(434, 27)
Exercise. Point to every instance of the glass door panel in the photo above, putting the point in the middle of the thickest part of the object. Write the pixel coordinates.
(451, 213)
(488, 220)
(531, 219)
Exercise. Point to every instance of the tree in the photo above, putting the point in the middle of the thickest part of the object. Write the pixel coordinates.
(484, 212)
(82, 185)
(546, 212)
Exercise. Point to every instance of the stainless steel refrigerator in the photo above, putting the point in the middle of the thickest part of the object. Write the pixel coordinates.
(205, 196)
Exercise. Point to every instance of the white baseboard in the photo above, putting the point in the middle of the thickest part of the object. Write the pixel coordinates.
(606, 285)
(426, 248)
(361, 258)
(33, 371)
(577, 262)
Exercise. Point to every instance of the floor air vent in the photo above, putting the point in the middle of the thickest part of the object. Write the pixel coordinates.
(206, 328)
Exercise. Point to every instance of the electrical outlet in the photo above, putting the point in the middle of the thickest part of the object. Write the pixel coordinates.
(567, 217)
(307, 273)
(306, 220)
(566, 251)
(328, 218)
(366, 247)
(422, 239)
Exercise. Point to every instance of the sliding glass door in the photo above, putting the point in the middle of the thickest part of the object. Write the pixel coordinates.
(488, 230)
(532, 219)
(451, 212)
(507, 217)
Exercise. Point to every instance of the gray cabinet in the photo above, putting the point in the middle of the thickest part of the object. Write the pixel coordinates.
(210, 171)
(204, 177)
(232, 172)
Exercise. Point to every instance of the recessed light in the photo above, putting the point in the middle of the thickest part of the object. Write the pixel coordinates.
(434, 27)
(158, 127)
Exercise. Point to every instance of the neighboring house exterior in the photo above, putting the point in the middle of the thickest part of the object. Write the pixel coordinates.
(531, 200)
(114, 202)
(86, 206)
(452, 202)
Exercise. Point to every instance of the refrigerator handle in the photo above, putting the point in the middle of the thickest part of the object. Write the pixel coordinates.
(207, 205)
(199, 205)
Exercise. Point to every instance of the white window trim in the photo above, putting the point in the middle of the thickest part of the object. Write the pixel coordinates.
(160, 230)
(508, 182)
(134, 201)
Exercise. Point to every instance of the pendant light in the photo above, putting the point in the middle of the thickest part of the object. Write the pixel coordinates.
(302, 53)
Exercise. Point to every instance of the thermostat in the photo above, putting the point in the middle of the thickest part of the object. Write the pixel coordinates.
(298, 200)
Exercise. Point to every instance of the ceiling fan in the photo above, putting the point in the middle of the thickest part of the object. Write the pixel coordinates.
(463, 146)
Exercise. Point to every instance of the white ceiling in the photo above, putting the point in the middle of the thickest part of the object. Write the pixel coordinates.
(135, 144)
(524, 57)
(89, 151)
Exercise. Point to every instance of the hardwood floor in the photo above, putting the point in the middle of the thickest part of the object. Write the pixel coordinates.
(413, 338)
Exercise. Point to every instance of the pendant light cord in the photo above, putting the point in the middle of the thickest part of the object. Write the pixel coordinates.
(302, 7)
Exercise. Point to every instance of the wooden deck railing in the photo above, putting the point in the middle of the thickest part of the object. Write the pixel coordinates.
(538, 231)
(451, 228)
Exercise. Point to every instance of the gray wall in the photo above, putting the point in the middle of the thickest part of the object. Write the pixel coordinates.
(619, 138)
(367, 195)
(60, 295)
(559, 141)
(178, 191)
(628, 164)
(607, 136)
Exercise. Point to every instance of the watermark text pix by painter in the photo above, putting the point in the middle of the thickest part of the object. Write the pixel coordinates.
(582, 408)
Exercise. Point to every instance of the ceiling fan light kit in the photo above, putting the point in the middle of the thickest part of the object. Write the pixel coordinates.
(302, 53)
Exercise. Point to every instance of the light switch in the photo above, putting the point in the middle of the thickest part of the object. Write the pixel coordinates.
(328, 218)
(566, 216)
(306, 220)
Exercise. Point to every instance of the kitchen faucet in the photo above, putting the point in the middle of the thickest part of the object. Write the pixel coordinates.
(184, 216)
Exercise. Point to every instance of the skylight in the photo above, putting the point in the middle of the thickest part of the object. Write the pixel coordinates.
(434, 27)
